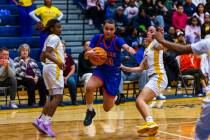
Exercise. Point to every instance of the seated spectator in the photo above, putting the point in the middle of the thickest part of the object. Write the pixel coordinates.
(205, 28)
(29, 75)
(197, 2)
(125, 3)
(171, 34)
(25, 7)
(132, 38)
(193, 30)
(131, 11)
(200, 12)
(85, 67)
(161, 12)
(189, 8)
(95, 11)
(7, 75)
(120, 20)
(69, 79)
(179, 18)
(131, 61)
(207, 6)
(142, 20)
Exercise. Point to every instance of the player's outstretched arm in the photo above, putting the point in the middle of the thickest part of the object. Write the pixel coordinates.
(172, 46)
(129, 49)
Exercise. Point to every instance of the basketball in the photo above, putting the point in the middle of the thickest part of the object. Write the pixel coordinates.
(102, 56)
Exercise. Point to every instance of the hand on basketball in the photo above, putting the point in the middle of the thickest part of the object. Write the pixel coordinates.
(92, 54)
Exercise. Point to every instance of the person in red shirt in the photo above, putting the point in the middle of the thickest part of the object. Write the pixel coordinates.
(69, 79)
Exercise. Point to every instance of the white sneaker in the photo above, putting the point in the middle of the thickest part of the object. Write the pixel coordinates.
(161, 96)
(13, 105)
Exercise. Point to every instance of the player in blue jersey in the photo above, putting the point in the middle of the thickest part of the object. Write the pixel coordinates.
(107, 75)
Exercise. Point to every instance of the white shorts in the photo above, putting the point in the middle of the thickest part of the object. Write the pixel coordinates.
(53, 76)
(157, 83)
(56, 91)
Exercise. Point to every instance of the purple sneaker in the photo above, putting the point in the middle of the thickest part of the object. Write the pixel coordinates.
(37, 123)
(47, 129)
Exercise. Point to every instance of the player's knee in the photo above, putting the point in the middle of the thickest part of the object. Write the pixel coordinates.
(106, 109)
(90, 88)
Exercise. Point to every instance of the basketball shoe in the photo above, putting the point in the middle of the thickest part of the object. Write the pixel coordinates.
(89, 116)
(148, 129)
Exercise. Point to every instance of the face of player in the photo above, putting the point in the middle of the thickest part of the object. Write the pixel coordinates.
(109, 30)
(48, 2)
(56, 29)
(5, 55)
(151, 31)
(24, 53)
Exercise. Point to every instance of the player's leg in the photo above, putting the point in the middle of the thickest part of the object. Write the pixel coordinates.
(92, 84)
(149, 127)
(109, 101)
(202, 130)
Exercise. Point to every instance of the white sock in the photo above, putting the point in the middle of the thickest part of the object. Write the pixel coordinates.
(115, 98)
(47, 119)
(149, 119)
(90, 107)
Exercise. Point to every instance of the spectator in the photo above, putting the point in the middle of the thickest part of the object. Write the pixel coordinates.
(197, 2)
(25, 7)
(46, 13)
(142, 20)
(132, 38)
(149, 7)
(205, 29)
(121, 20)
(7, 75)
(193, 30)
(179, 18)
(85, 66)
(171, 35)
(69, 79)
(161, 12)
(189, 8)
(200, 11)
(131, 11)
(207, 6)
(125, 3)
(29, 75)
(95, 11)
(110, 8)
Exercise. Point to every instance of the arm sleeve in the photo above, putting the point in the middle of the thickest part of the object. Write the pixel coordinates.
(34, 17)
(11, 69)
(60, 17)
(119, 42)
(201, 47)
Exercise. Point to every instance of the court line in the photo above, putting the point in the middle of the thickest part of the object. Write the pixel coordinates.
(189, 138)
(177, 123)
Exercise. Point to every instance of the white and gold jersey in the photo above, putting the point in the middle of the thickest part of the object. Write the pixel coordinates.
(157, 76)
(53, 75)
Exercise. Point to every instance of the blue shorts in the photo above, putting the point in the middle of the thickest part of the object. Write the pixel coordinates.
(111, 81)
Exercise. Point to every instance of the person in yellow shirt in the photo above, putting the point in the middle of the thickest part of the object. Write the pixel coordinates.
(46, 13)
(25, 7)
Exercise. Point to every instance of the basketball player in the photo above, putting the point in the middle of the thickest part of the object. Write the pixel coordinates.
(53, 56)
(107, 75)
(153, 62)
(202, 47)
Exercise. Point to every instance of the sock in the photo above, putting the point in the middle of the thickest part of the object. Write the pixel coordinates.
(115, 99)
(47, 119)
(149, 119)
(90, 107)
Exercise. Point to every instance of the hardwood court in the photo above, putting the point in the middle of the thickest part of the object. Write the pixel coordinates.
(176, 118)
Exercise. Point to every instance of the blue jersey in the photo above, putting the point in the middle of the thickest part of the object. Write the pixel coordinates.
(113, 49)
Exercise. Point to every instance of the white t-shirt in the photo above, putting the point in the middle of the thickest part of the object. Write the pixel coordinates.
(202, 47)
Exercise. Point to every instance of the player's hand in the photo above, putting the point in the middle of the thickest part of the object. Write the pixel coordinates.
(4, 63)
(91, 53)
(65, 80)
(36, 79)
(39, 26)
(123, 68)
(61, 66)
(158, 36)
